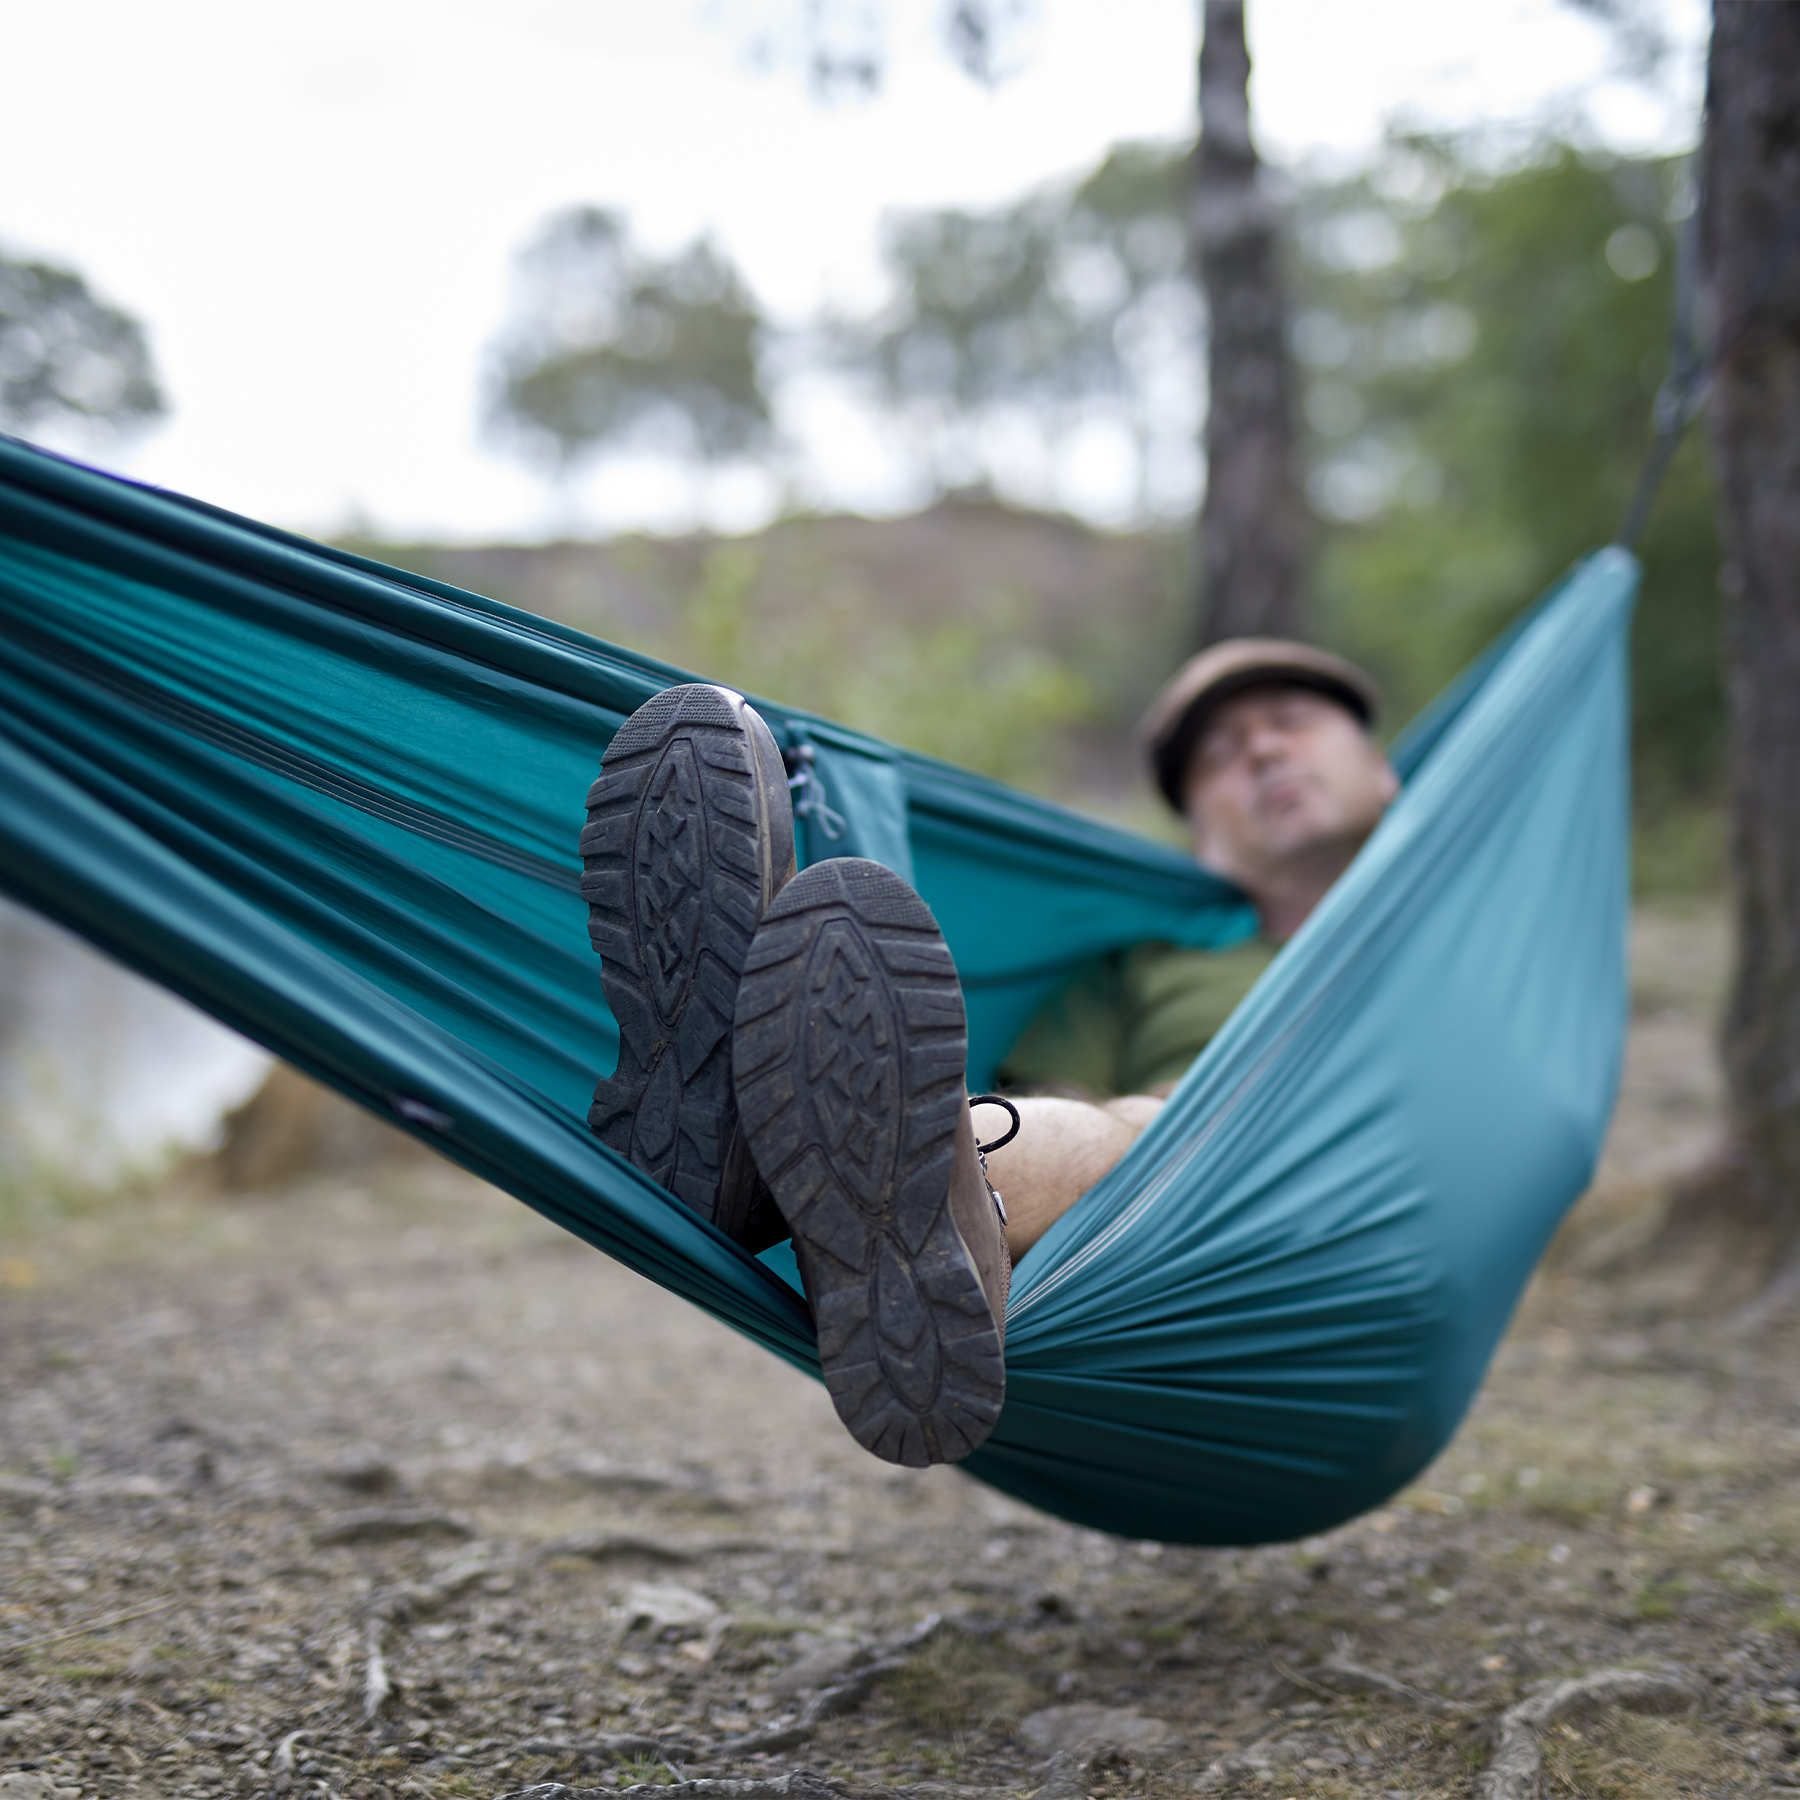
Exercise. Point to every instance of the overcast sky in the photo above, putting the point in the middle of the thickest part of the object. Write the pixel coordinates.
(313, 207)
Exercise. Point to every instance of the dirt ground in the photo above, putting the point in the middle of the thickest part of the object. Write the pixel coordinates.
(390, 1489)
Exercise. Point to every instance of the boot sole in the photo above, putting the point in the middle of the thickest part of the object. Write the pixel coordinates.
(849, 1053)
(689, 835)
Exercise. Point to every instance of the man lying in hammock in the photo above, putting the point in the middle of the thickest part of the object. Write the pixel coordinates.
(792, 1047)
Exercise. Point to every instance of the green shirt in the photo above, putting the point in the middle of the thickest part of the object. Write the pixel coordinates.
(1133, 1021)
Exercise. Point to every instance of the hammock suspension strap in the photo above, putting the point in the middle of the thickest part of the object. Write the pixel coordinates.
(1692, 362)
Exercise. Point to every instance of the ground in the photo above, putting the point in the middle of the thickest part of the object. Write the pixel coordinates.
(387, 1488)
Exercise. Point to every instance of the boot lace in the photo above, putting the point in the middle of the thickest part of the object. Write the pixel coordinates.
(999, 1143)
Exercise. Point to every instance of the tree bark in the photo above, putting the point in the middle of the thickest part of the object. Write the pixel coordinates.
(1253, 523)
(1750, 242)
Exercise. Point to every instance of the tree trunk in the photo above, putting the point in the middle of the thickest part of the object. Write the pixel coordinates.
(1253, 524)
(1751, 250)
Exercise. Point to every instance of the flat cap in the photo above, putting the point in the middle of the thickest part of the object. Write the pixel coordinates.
(1179, 713)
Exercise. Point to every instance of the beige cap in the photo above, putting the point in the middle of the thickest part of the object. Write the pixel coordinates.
(1173, 723)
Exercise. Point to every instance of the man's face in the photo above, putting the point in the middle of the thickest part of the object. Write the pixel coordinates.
(1283, 780)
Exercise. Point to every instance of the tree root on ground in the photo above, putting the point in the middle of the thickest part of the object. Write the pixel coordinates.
(1782, 1295)
(1731, 1232)
(1337, 1676)
(873, 1665)
(1070, 1775)
(91, 1628)
(1518, 1759)
(798, 1784)
(378, 1684)
(284, 1763)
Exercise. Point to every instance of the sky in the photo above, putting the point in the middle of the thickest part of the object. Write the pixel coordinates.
(313, 208)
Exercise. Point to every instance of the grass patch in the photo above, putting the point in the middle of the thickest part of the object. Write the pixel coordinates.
(946, 1758)
(1631, 1757)
(1781, 1620)
(646, 1771)
(37, 1195)
(752, 1627)
(1568, 1499)
(1661, 1597)
(1164, 1634)
(954, 1686)
(82, 1673)
(1679, 853)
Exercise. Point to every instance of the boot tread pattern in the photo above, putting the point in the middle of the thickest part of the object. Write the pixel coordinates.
(849, 1052)
(680, 855)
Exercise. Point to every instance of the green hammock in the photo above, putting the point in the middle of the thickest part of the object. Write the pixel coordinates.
(336, 807)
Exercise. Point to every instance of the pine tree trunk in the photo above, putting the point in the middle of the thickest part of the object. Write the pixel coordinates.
(1253, 524)
(1751, 249)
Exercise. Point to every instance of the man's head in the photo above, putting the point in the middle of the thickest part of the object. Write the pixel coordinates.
(1264, 747)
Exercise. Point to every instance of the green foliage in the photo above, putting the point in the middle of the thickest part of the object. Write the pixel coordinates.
(1479, 346)
(975, 325)
(645, 1771)
(1658, 1598)
(40, 1192)
(973, 690)
(67, 356)
(1783, 1618)
(954, 1686)
(1481, 349)
(611, 348)
(1070, 306)
(1678, 848)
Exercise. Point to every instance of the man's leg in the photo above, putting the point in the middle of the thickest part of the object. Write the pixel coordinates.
(1063, 1148)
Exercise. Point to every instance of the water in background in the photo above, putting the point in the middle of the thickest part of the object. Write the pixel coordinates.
(101, 1073)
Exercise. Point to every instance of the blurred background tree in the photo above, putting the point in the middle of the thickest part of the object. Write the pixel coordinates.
(1255, 527)
(841, 47)
(1068, 309)
(69, 358)
(1478, 342)
(1127, 243)
(1480, 346)
(1477, 324)
(1751, 234)
(1254, 530)
(979, 332)
(1478, 334)
(611, 348)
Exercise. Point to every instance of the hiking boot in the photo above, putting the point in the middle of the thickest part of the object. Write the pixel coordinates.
(689, 836)
(849, 1052)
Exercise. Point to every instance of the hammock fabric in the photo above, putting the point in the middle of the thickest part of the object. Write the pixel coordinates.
(336, 807)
